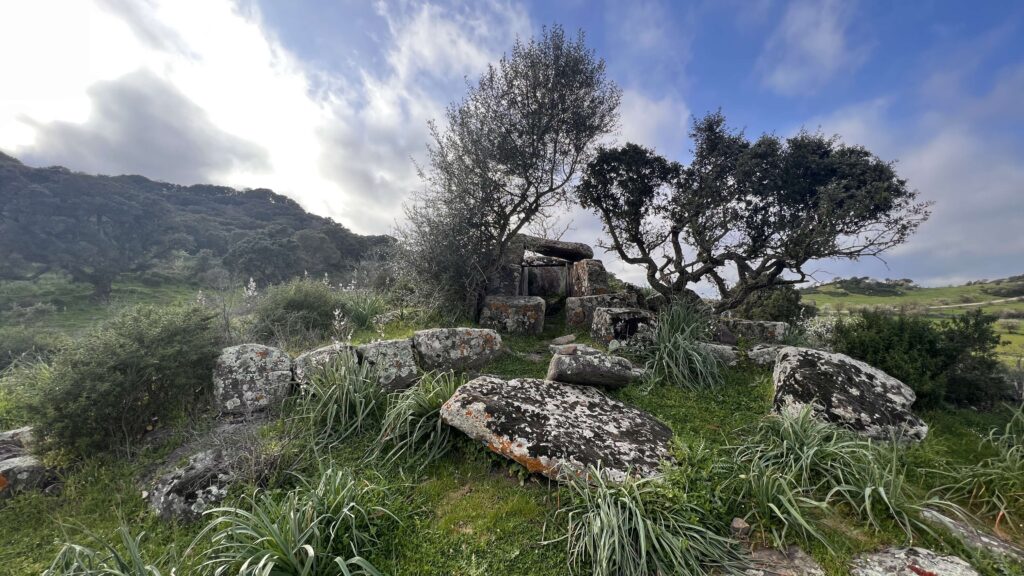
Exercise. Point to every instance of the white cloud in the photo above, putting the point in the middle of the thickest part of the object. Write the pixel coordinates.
(808, 47)
(658, 123)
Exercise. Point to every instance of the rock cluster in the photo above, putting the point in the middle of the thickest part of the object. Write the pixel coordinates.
(20, 471)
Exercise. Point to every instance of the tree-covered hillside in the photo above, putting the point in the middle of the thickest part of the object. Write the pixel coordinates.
(95, 228)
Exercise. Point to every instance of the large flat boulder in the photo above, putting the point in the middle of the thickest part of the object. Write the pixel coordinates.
(550, 427)
(909, 562)
(588, 278)
(617, 327)
(456, 348)
(602, 370)
(251, 377)
(571, 251)
(394, 360)
(307, 363)
(845, 392)
(579, 310)
(513, 314)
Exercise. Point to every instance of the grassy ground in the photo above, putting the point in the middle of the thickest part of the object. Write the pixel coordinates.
(471, 512)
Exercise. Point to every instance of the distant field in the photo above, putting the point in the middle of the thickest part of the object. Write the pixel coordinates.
(923, 300)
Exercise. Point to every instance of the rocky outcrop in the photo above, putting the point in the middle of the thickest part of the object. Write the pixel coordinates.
(598, 369)
(588, 278)
(571, 251)
(394, 360)
(250, 377)
(755, 331)
(552, 428)
(845, 392)
(617, 327)
(307, 363)
(579, 310)
(185, 493)
(513, 314)
(789, 562)
(974, 538)
(764, 354)
(909, 562)
(456, 348)
(20, 471)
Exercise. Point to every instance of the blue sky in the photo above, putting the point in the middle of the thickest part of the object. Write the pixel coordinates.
(327, 101)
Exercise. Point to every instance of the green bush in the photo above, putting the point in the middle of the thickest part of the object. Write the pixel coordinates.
(677, 353)
(951, 361)
(302, 309)
(778, 304)
(19, 341)
(103, 390)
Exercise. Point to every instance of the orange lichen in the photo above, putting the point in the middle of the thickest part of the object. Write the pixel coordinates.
(3, 482)
(533, 465)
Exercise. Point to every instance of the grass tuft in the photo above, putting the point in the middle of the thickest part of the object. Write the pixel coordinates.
(677, 353)
(412, 427)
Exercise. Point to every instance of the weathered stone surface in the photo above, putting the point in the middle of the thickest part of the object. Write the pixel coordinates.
(739, 529)
(579, 310)
(727, 355)
(764, 354)
(789, 562)
(506, 280)
(571, 251)
(592, 370)
(22, 473)
(845, 392)
(756, 330)
(395, 361)
(909, 562)
(588, 278)
(456, 348)
(619, 326)
(185, 493)
(567, 339)
(723, 335)
(550, 427)
(538, 260)
(570, 349)
(974, 538)
(513, 314)
(547, 280)
(307, 363)
(250, 377)
(15, 442)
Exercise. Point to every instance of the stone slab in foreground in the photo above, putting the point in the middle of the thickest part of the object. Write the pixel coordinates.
(845, 392)
(909, 562)
(549, 427)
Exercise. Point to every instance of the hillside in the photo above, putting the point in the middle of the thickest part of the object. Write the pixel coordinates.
(96, 228)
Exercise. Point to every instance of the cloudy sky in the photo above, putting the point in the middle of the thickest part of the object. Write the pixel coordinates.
(327, 101)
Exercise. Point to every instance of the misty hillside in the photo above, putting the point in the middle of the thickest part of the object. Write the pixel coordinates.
(95, 228)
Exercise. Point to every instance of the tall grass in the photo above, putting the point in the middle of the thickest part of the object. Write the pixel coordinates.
(342, 399)
(412, 427)
(632, 529)
(318, 529)
(107, 559)
(677, 354)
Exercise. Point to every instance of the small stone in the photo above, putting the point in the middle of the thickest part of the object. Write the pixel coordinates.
(739, 528)
(567, 339)
(592, 370)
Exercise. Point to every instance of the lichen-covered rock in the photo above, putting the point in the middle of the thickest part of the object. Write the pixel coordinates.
(789, 562)
(307, 363)
(513, 314)
(394, 360)
(974, 538)
(756, 330)
(592, 370)
(722, 335)
(22, 473)
(909, 562)
(764, 354)
(185, 493)
(563, 340)
(616, 327)
(571, 251)
(579, 310)
(506, 280)
(456, 348)
(15, 442)
(546, 280)
(588, 278)
(570, 349)
(250, 377)
(727, 355)
(845, 392)
(550, 427)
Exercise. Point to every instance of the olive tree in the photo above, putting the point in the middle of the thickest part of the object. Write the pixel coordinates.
(746, 216)
(510, 151)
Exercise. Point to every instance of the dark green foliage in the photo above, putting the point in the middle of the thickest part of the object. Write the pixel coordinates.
(104, 389)
(952, 361)
(776, 304)
(18, 341)
(299, 307)
(677, 354)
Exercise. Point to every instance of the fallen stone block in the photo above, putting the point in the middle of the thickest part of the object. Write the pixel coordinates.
(307, 363)
(456, 348)
(579, 310)
(394, 360)
(601, 370)
(617, 327)
(909, 562)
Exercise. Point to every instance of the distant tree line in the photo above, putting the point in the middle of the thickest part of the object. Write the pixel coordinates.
(95, 228)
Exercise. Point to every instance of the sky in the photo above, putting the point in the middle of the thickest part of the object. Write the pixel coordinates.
(327, 101)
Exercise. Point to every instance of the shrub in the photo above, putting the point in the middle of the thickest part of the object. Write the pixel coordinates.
(302, 309)
(106, 559)
(343, 398)
(19, 341)
(677, 353)
(103, 390)
(631, 528)
(412, 427)
(314, 530)
(777, 304)
(361, 307)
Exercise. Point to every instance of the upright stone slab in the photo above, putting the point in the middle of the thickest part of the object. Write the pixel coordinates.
(550, 427)
(513, 314)
(307, 363)
(456, 348)
(250, 377)
(395, 361)
(579, 310)
(506, 280)
(571, 251)
(546, 280)
(845, 392)
(909, 562)
(588, 278)
(620, 326)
